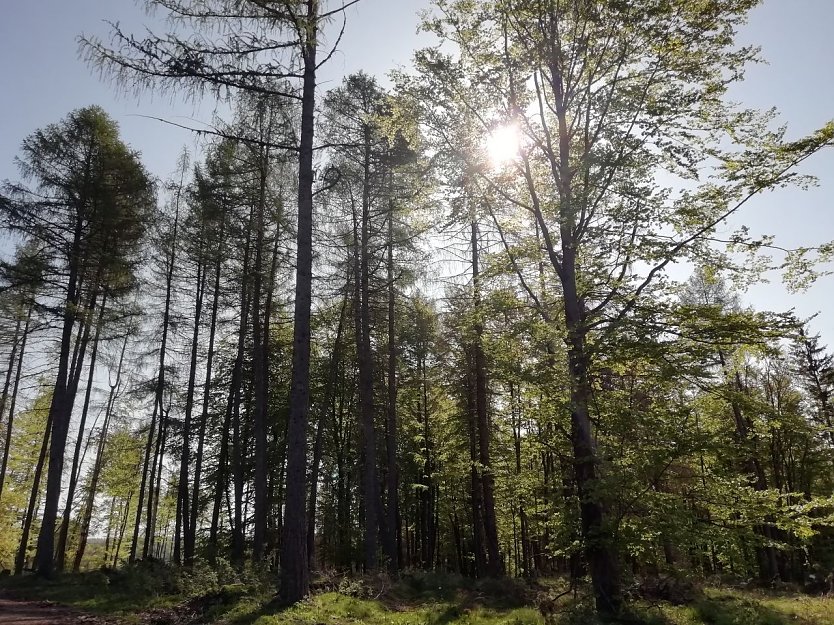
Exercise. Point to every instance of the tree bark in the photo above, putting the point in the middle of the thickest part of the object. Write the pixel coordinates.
(160, 388)
(258, 366)
(327, 406)
(59, 414)
(392, 542)
(10, 423)
(198, 461)
(183, 499)
(60, 555)
(96, 471)
(295, 573)
(493, 561)
(20, 559)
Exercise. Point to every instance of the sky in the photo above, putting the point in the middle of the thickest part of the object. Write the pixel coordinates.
(43, 79)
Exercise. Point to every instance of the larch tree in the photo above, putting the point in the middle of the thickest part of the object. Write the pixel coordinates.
(88, 205)
(258, 47)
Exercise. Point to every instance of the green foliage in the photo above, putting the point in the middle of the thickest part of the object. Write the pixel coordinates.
(26, 442)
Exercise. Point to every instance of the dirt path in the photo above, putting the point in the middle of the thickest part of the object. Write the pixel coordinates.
(42, 613)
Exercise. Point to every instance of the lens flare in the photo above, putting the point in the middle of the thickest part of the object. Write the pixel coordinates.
(503, 144)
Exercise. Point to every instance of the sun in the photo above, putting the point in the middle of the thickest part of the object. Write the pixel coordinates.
(503, 144)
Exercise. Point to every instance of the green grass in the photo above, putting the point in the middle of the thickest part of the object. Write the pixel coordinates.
(748, 607)
(336, 609)
(419, 599)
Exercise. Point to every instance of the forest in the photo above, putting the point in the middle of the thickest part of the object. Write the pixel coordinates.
(245, 384)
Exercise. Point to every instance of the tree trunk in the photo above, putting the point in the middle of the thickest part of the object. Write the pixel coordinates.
(258, 368)
(160, 388)
(20, 560)
(327, 405)
(476, 490)
(493, 559)
(91, 494)
(198, 461)
(59, 415)
(295, 574)
(231, 422)
(599, 550)
(183, 500)
(10, 424)
(60, 555)
(392, 541)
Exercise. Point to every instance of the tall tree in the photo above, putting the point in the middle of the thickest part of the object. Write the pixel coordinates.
(602, 97)
(89, 205)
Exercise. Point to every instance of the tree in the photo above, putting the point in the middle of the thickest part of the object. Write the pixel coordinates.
(88, 207)
(604, 96)
(236, 61)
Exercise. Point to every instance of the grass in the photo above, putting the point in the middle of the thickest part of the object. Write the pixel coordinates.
(720, 606)
(419, 599)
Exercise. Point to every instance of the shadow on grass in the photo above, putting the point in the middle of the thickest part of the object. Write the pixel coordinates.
(83, 591)
(731, 610)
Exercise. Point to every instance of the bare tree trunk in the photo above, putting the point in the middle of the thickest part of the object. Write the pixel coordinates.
(107, 543)
(231, 422)
(20, 560)
(275, 481)
(60, 555)
(493, 561)
(295, 574)
(198, 463)
(327, 405)
(183, 524)
(160, 388)
(362, 315)
(10, 423)
(476, 490)
(392, 542)
(258, 368)
(59, 414)
(91, 494)
(123, 525)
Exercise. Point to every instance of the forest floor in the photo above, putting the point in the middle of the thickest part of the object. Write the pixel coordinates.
(421, 599)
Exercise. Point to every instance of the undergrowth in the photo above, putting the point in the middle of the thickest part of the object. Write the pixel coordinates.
(224, 595)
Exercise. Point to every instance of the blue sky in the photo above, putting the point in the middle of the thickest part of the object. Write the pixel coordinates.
(43, 79)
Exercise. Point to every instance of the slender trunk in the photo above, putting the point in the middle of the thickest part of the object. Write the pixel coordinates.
(238, 546)
(59, 414)
(201, 437)
(231, 422)
(91, 494)
(493, 562)
(60, 555)
(160, 388)
(370, 485)
(107, 543)
(10, 423)
(427, 504)
(476, 490)
(183, 524)
(258, 369)
(123, 526)
(20, 560)
(156, 485)
(392, 542)
(4, 397)
(275, 481)
(327, 405)
(295, 574)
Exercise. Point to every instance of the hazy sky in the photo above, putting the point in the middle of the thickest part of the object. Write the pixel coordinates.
(42, 79)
